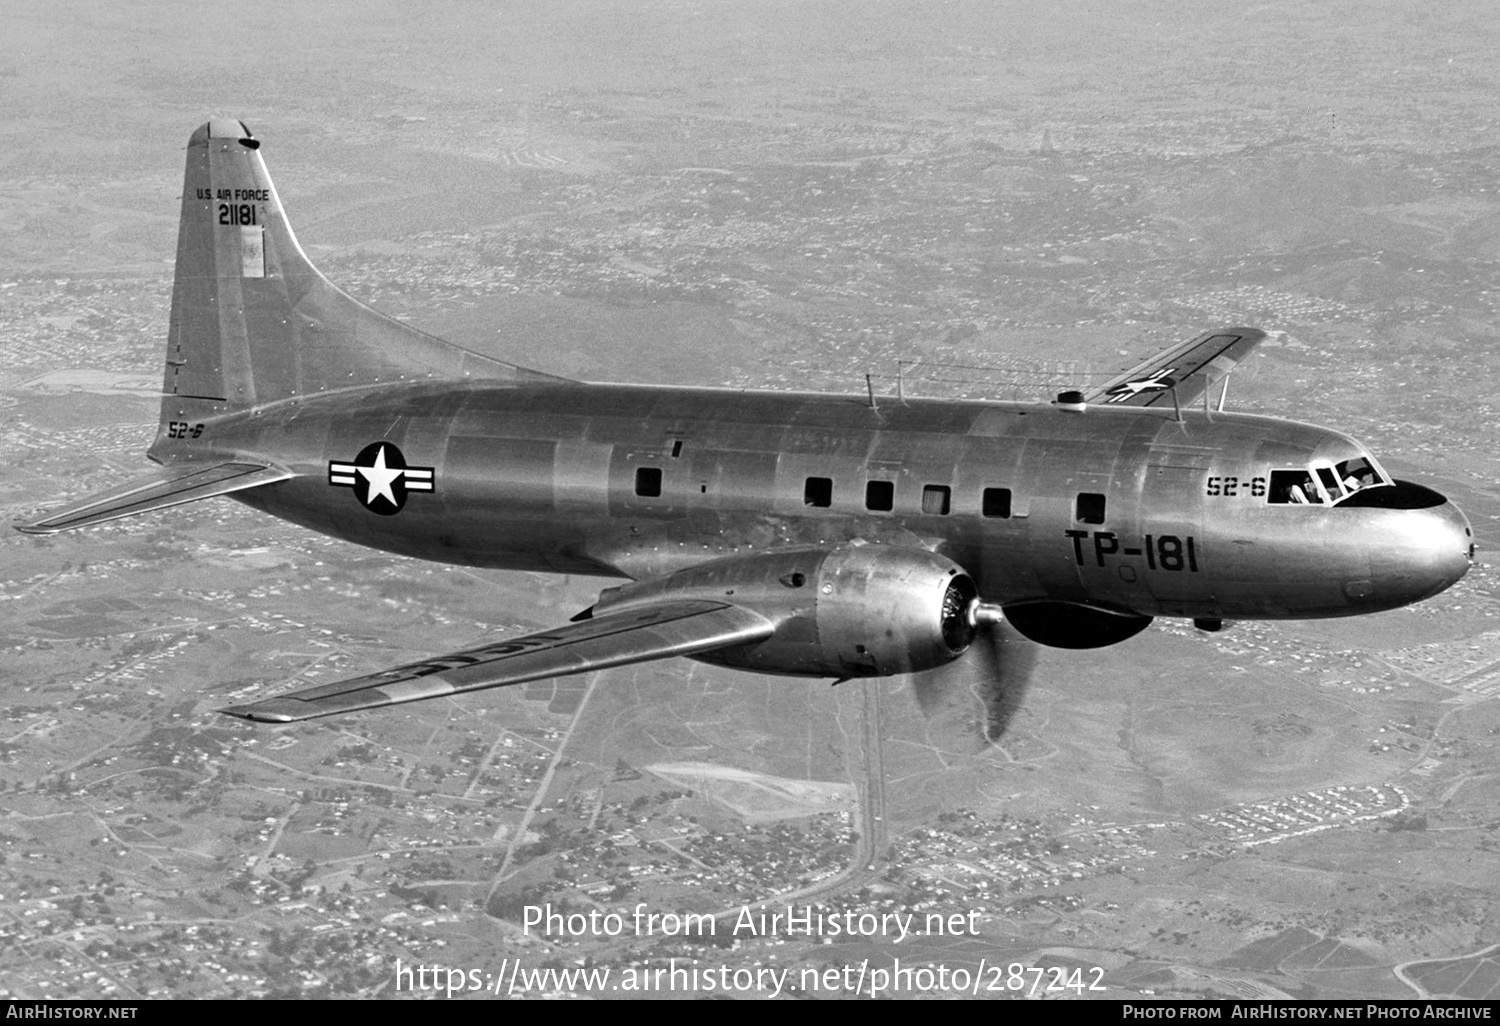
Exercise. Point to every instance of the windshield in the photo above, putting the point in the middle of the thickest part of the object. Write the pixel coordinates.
(1358, 473)
(1324, 483)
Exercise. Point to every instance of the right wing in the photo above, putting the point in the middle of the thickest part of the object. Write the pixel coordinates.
(669, 628)
(1187, 368)
(170, 486)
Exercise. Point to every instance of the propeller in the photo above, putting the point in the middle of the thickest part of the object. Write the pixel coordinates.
(980, 692)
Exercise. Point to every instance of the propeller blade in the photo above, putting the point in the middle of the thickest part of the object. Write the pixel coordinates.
(1005, 662)
(980, 693)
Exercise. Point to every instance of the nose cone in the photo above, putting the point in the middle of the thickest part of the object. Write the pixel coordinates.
(1421, 553)
(1449, 539)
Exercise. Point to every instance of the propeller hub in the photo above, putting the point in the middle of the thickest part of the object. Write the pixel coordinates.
(984, 614)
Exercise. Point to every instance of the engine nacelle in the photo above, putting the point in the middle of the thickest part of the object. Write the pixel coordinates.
(859, 610)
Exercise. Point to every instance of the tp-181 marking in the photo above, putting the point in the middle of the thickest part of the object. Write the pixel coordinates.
(1166, 552)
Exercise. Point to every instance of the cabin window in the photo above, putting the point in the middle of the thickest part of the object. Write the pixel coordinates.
(1294, 487)
(648, 482)
(935, 499)
(1089, 508)
(880, 496)
(995, 502)
(818, 491)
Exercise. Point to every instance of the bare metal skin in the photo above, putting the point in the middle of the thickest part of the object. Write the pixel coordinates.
(793, 533)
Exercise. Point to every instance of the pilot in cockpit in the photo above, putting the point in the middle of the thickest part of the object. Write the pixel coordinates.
(1356, 474)
(1302, 492)
(1332, 484)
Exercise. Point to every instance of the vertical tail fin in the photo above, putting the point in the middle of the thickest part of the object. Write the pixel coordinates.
(253, 321)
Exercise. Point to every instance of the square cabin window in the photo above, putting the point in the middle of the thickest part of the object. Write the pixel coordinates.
(880, 496)
(648, 482)
(935, 499)
(1090, 509)
(995, 502)
(818, 491)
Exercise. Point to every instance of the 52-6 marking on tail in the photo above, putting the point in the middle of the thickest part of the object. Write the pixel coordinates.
(1162, 551)
(182, 429)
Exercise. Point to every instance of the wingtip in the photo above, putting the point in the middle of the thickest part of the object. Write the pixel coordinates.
(255, 713)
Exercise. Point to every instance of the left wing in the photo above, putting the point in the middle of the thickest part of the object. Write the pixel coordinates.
(1188, 369)
(672, 628)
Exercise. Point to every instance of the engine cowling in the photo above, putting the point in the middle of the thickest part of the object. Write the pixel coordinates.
(858, 610)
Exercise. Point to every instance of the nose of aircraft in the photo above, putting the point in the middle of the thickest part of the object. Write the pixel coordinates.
(1452, 541)
(1424, 552)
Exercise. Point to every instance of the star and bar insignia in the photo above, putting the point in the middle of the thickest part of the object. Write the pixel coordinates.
(380, 478)
(1160, 381)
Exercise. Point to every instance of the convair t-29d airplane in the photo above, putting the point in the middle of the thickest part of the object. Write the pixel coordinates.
(788, 533)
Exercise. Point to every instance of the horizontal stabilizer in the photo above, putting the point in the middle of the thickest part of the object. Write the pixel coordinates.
(672, 628)
(169, 486)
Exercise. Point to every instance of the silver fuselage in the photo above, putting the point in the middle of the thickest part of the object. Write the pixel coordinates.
(547, 476)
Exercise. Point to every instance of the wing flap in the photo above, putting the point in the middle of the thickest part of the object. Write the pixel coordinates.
(1188, 369)
(616, 639)
(169, 486)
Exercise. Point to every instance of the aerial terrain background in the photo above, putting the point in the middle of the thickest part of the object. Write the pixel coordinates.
(1002, 199)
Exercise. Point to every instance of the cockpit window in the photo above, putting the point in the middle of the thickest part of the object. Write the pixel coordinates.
(1358, 473)
(1295, 487)
(1330, 483)
(1324, 484)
